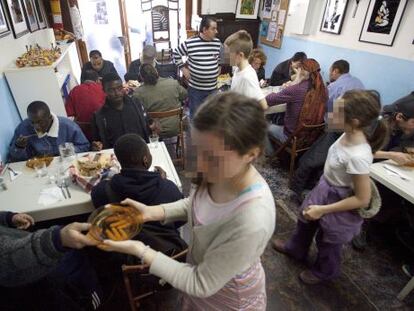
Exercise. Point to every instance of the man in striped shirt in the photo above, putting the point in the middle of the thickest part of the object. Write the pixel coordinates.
(202, 67)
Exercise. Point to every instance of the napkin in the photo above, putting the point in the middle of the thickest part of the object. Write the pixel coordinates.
(50, 196)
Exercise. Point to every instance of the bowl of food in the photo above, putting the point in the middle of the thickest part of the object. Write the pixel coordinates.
(34, 162)
(115, 222)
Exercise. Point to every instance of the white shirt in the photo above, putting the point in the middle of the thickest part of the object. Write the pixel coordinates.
(344, 161)
(245, 82)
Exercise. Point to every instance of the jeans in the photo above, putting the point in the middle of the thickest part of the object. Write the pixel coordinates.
(196, 98)
(277, 132)
(312, 162)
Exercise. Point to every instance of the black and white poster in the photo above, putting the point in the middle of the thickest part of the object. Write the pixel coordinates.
(382, 20)
(333, 16)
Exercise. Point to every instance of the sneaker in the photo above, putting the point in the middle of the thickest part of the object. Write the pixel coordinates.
(359, 242)
(309, 278)
(408, 270)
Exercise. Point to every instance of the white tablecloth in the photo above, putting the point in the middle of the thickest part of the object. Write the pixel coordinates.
(23, 193)
(404, 188)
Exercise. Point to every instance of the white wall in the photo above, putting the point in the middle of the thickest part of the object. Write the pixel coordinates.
(11, 48)
(218, 6)
(402, 47)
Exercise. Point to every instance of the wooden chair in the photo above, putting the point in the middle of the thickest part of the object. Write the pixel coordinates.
(135, 296)
(180, 143)
(299, 141)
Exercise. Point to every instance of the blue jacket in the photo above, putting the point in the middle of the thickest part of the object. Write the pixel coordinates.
(69, 131)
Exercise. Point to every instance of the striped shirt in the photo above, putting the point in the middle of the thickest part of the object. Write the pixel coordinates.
(203, 61)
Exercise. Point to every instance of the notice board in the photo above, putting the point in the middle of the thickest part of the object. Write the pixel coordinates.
(274, 14)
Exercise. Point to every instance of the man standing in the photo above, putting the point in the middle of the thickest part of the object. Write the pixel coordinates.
(97, 63)
(119, 115)
(203, 56)
(84, 100)
(282, 73)
(42, 133)
(312, 162)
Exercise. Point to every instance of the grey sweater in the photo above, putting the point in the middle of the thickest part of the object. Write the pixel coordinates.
(26, 257)
(220, 250)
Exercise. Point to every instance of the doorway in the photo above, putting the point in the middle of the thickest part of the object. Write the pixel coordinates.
(119, 29)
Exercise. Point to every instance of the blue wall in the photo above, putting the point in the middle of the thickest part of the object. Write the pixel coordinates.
(9, 118)
(392, 77)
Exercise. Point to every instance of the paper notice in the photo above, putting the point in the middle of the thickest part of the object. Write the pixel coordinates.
(271, 33)
(281, 17)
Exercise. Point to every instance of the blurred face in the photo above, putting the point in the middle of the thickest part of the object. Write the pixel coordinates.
(336, 119)
(215, 162)
(97, 62)
(296, 65)
(114, 91)
(41, 121)
(256, 63)
(404, 124)
(234, 58)
(333, 74)
(210, 32)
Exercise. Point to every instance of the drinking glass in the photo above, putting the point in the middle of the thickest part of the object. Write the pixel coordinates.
(154, 140)
(40, 169)
(67, 152)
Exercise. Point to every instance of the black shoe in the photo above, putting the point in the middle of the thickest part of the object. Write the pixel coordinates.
(359, 242)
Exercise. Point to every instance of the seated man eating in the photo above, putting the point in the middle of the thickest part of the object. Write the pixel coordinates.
(42, 133)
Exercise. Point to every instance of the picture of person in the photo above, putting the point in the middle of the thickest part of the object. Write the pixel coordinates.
(383, 16)
(247, 7)
(16, 11)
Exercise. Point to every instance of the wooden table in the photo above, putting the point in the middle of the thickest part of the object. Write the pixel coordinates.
(405, 188)
(23, 193)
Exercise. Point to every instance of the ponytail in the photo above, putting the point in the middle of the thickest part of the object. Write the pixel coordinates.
(377, 135)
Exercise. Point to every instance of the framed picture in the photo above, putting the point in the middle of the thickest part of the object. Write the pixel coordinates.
(333, 16)
(40, 14)
(17, 19)
(247, 9)
(4, 24)
(30, 12)
(382, 20)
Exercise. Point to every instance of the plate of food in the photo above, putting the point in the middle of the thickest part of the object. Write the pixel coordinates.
(115, 222)
(92, 165)
(33, 162)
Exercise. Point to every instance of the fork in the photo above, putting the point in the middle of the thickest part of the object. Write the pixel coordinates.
(63, 192)
(65, 184)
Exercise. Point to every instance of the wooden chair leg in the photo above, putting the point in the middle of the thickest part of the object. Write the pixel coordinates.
(406, 290)
(292, 160)
(128, 289)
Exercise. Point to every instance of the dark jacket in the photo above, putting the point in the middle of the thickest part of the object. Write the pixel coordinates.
(107, 67)
(109, 124)
(168, 70)
(281, 73)
(27, 257)
(261, 75)
(143, 186)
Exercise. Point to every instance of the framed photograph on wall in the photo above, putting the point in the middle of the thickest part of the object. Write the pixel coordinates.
(333, 16)
(40, 14)
(247, 9)
(30, 12)
(17, 19)
(4, 24)
(382, 20)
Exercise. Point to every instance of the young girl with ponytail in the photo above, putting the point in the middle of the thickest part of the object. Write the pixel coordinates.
(330, 209)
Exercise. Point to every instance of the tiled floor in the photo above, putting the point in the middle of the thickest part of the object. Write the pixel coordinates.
(370, 280)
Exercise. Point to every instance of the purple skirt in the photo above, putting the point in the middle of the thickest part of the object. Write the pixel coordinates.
(339, 227)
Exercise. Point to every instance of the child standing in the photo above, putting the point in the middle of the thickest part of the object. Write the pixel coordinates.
(330, 210)
(231, 212)
(239, 46)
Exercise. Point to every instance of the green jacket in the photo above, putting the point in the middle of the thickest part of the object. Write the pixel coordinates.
(166, 95)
